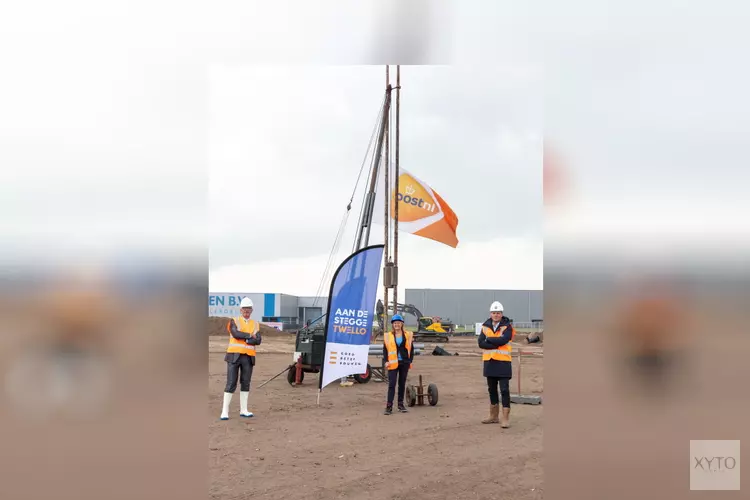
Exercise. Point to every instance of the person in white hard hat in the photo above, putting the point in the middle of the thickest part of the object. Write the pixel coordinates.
(494, 339)
(244, 335)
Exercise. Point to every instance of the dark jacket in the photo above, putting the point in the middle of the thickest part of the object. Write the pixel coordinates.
(233, 357)
(493, 367)
(406, 359)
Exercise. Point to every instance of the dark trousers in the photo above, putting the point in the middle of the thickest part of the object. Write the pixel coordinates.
(492, 383)
(242, 367)
(400, 373)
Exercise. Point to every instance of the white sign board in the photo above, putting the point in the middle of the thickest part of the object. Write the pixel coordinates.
(478, 329)
(278, 326)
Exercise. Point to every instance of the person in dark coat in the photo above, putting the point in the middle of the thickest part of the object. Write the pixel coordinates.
(494, 340)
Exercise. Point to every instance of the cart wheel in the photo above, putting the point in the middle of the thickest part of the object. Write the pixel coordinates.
(411, 395)
(365, 377)
(292, 374)
(432, 394)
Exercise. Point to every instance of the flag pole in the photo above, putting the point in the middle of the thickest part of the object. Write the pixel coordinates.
(395, 210)
(386, 221)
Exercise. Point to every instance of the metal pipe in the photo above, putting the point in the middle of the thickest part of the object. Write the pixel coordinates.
(379, 347)
(379, 355)
(415, 346)
(396, 173)
(367, 214)
(380, 352)
(520, 357)
(267, 381)
(387, 198)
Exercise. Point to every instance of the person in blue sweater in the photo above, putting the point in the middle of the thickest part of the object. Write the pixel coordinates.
(398, 352)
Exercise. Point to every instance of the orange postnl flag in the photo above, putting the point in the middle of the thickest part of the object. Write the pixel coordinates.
(422, 211)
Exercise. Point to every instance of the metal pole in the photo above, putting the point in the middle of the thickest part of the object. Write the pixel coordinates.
(395, 210)
(267, 381)
(387, 198)
(370, 202)
(520, 356)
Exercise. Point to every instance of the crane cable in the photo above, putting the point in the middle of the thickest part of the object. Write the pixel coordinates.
(336, 244)
(337, 241)
(363, 206)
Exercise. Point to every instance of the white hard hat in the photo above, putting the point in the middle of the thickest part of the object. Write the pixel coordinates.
(246, 302)
(496, 307)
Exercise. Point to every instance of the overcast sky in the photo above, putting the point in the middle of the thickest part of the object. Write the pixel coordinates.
(646, 102)
(286, 145)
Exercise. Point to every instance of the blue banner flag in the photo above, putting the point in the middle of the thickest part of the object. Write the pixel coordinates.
(351, 312)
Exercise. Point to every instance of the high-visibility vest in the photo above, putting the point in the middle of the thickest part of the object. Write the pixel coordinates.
(502, 353)
(390, 344)
(239, 345)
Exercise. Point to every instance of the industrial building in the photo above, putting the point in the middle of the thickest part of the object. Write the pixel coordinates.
(467, 307)
(462, 307)
(288, 310)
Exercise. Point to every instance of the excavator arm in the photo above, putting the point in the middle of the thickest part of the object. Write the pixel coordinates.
(402, 308)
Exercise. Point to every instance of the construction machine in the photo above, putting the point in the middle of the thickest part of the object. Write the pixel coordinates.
(428, 327)
(445, 324)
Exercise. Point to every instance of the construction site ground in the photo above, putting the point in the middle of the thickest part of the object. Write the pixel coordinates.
(346, 448)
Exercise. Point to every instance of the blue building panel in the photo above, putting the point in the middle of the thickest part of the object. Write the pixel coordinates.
(269, 305)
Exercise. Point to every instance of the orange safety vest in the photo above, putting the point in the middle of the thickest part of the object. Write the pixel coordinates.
(392, 348)
(239, 345)
(502, 353)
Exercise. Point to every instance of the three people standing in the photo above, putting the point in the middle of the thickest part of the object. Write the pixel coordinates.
(494, 339)
(398, 351)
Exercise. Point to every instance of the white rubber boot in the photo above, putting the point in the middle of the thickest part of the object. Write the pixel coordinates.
(243, 405)
(225, 408)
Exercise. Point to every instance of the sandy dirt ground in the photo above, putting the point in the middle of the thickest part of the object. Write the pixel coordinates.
(346, 448)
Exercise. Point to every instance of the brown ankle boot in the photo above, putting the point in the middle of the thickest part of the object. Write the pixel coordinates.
(493, 418)
(505, 423)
